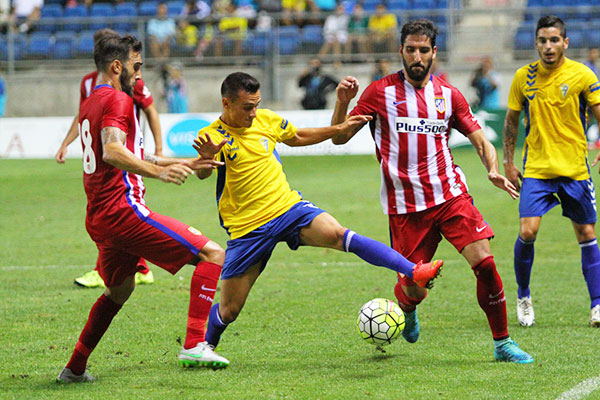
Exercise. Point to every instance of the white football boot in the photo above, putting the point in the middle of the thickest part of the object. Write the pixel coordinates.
(595, 317)
(67, 376)
(203, 355)
(525, 313)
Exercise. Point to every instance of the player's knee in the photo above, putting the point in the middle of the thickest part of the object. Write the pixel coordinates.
(214, 253)
(229, 312)
(528, 234)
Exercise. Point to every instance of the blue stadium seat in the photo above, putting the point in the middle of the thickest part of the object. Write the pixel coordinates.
(288, 39)
(370, 5)
(64, 42)
(257, 43)
(395, 5)
(77, 12)
(312, 37)
(423, 4)
(442, 4)
(39, 45)
(102, 12)
(125, 10)
(49, 13)
(593, 37)
(441, 41)
(577, 38)
(147, 8)
(524, 39)
(174, 7)
(85, 43)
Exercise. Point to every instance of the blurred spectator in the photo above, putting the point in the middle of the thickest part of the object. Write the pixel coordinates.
(187, 35)
(335, 32)
(486, 82)
(175, 89)
(293, 12)
(317, 85)
(162, 31)
(383, 30)
(357, 31)
(2, 95)
(269, 6)
(220, 7)
(205, 37)
(593, 55)
(4, 15)
(326, 5)
(231, 27)
(196, 8)
(264, 22)
(382, 68)
(245, 9)
(437, 71)
(26, 13)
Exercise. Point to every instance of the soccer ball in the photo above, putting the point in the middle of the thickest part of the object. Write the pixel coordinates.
(380, 321)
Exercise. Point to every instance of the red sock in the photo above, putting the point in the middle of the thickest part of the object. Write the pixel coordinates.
(101, 315)
(490, 294)
(202, 292)
(142, 266)
(406, 302)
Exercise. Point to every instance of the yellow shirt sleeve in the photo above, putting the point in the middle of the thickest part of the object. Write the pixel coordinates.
(282, 128)
(592, 88)
(515, 96)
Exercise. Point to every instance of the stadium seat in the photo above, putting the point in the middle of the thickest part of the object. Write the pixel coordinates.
(147, 8)
(593, 36)
(101, 12)
(423, 4)
(39, 45)
(64, 42)
(577, 39)
(77, 13)
(370, 5)
(442, 4)
(174, 7)
(47, 21)
(85, 43)
(312, 38)
(524, 39)
(396, 5)
(257, 43)
(288, 39)
(125, 10)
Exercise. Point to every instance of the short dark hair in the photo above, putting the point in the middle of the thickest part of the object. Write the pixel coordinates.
(112, 48)
(102, 33)
(237, 81)
(419, 27)
(551, 21)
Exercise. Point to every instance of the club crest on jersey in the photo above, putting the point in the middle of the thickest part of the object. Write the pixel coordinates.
(194, 231)
(564, 88)
(265, 143)
(440, 104)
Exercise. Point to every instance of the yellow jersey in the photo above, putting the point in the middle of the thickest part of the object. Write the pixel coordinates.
(252, 188)
(555, 104)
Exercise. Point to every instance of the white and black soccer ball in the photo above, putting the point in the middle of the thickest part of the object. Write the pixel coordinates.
(380, 321)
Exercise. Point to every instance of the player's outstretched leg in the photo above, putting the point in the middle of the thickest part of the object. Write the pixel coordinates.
(215, 327)
(202, 355)
(508, 350)
(408, 304)
(590, 266)
(90, 279)
(379, 254)
(524, 252)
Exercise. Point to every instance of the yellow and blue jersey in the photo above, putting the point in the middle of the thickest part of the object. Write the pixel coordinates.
(252, 188)
(555, 103)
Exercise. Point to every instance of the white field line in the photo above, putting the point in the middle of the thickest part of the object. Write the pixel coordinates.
(27, 267)
(581, 390)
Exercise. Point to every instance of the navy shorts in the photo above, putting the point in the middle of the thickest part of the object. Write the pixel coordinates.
(578, 198)
(257, 246)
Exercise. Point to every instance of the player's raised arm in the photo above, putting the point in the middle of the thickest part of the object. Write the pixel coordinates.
(308, 136)
(487, 154)
(509, 140)
(346, 90)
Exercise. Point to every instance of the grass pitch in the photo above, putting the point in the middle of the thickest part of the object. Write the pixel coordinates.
(297, 336)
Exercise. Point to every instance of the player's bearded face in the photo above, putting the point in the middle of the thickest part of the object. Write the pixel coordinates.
(551, 45)
(417, 71)
(417, 56)
(126, 82)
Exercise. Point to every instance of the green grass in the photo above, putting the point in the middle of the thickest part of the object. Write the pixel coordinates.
(296, 337)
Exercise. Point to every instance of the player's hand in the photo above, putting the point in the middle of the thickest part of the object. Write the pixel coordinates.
(355, 122)
(206, 148)
(596, 159)
(503, 183)
(61, 155)
(347, 89)
(175, 173)
(199, 164)
(513, 175)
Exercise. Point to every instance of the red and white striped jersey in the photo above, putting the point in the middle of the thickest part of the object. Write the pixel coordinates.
(411, 128)
(110, 191)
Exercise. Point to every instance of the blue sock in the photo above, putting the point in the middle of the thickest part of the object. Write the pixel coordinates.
(524, 252)
(590, 265)
(215, 327)
(377, 253)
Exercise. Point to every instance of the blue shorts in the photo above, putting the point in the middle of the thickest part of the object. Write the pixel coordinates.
(257, 246)
(578, 198)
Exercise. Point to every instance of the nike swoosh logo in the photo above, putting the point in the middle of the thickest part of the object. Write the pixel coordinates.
(480, 229)
(492, 297)
(208, 289)
(399, 102)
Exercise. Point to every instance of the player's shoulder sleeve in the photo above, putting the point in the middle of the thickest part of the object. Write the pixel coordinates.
(463, 119)
(516, 96)
(141, 95)
(368, 100)
(591, 88)
(281, 128)
(118, 111)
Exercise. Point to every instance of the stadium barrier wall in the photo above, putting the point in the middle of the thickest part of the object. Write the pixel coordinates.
(41, 137)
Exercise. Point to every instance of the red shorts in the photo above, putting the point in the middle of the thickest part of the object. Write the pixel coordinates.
(162, 240)
(417, 235)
